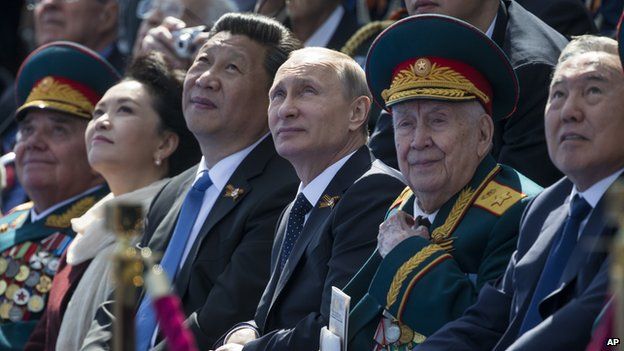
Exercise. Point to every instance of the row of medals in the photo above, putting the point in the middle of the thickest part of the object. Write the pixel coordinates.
(36, 276)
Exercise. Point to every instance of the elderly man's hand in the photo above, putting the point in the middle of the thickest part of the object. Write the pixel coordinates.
(241, 336)
(230, 347)
(396, 229)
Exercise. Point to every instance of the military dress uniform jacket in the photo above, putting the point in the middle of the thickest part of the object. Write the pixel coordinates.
(29, 258)
(568, 313)
(423, 284)
(337, 238)
(533, 48)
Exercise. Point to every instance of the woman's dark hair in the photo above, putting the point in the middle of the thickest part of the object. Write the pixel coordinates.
(164, 85)
(271, 34)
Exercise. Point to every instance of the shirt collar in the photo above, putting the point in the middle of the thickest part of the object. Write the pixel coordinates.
(490, 31)
(594, 193)
(221, 172)
(419, 212)
(323, 34)
(317, 186)
(34, 216)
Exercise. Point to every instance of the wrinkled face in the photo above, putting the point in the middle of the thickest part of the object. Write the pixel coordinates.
(225, 91)
(50, 154)
(465, 10)
(585, 117)
(308, 110)
(74, 21)
(438, 146)
(124, 132)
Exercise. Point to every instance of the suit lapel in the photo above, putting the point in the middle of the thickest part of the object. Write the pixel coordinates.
(359, 163)
(538, 253)
(583, 250)
(250, 167)
(159, 240)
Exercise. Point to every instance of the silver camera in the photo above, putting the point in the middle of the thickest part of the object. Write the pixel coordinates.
(183, 40)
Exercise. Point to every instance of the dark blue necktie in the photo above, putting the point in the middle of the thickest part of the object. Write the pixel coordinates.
(294, 227)
(145, 318)
(557, 260)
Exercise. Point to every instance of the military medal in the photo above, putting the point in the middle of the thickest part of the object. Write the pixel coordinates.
(3, 265)
(45, 283)
(38, 260)
(21, 297)
(392, 332)
(407, 334)
(3, 286)
(4, 227)
(23, 273)
(16, 314)
(33, 279)
(234, 193)
(12, 269)
(10, 291)
(36, 304)
(51, 267)
(5, 307)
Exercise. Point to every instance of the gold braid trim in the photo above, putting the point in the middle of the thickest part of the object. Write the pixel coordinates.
(445, 80)
(77, 210)
(363, 34)
(466, 197)
(51, 90)
(405, 269)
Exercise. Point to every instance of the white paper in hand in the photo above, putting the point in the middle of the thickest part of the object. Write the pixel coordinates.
(339, 315)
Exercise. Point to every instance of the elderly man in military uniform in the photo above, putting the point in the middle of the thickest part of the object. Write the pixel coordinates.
(57, 87)
(455, 226)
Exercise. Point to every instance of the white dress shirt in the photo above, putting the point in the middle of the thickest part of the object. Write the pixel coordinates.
(314, 190)
(323, 34)
(593, 194)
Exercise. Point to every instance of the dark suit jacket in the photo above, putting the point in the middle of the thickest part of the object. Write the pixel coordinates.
(335, 242)
(568, 17)
(493, 322)
(227, 267)
(519, 141)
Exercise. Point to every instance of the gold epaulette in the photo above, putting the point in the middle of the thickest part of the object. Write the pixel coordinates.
(363, 34)
(497, 198)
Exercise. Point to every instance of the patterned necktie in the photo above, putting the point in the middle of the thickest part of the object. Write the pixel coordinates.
(558, 258)
(145, 318)
(295, 225)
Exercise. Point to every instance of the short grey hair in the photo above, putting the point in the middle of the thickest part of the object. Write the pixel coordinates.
(588, 43)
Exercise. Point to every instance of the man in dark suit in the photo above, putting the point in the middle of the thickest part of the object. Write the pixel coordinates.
(568, 17)
(532, 48)
(318, 112)
(556, 282)
(214, 224)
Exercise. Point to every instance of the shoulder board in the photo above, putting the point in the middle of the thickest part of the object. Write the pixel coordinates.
(497, 198)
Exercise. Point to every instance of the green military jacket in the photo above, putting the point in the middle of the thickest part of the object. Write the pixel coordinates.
(29, 257)
(423, 284)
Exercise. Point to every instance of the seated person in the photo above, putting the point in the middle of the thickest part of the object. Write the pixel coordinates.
(556, 283)
(318, 114)
(136, 139)
(454, 228)
(57, 87)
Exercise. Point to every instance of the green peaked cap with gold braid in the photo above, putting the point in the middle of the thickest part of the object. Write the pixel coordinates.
(65, 77)
(437, 57)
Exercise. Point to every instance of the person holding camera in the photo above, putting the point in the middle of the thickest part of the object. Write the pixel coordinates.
(177, 28)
